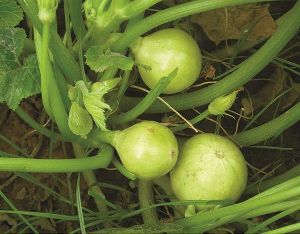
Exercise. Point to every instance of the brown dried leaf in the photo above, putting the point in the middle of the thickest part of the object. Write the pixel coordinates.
(231, 23)
(208, 71)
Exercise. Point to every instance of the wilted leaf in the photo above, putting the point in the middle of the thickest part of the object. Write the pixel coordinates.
(233, 22)
(208, 71)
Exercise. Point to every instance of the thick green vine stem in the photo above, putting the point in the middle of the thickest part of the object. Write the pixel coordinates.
(92, 141)
(199, 222)
(102, 21)
(146, 199)
(41, 45)
(102, 160)
(138, 7)
(61, 54)
(286, 30)
(270, 129)
(51, 96)
(107, 137)
(90, 177)
(286, 229)
(144, 104)
(171, 14)
(263, 132)
(259, 187)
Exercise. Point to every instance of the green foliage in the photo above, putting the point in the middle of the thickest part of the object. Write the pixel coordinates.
(115, 24)
(90, 102)
(99, 61)
(10, 13)
(96, 106)
(80, 122)
(17, 81)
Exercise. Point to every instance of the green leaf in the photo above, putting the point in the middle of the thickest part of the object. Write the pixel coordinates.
(95, 103)
(99, 61)
(96, 106)
(20, 83)
(11, 45)
(80, 122)
(10, 13)
(17, 81)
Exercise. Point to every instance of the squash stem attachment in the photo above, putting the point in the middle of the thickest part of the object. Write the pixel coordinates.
(108, 137)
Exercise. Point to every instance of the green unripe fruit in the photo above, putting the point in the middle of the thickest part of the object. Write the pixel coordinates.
(210, 167)
(147, 149)
(164, 51)
(222, 104)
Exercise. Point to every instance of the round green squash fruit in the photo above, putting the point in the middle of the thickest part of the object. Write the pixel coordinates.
(210, 167)
(164, 51)
(147, 149)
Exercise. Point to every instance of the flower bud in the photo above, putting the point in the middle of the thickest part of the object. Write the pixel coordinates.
(47, 10)
(221, 104)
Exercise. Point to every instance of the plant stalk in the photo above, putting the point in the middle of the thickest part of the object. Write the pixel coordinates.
(146, 199)
(58, 165)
